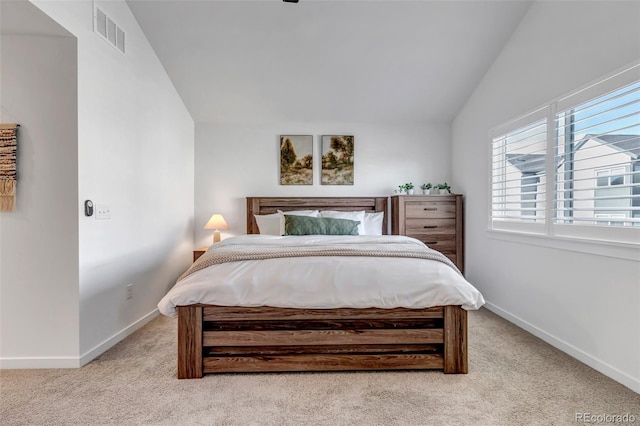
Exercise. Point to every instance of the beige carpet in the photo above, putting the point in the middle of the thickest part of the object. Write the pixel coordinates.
(514, 379)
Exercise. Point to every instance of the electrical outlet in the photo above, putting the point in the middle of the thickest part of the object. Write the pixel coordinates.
(129, 291)
(103, 211)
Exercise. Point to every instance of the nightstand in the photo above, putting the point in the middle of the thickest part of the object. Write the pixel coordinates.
(199, 252)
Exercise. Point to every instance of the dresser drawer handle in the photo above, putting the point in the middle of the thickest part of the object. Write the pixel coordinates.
(430, 208)
(430, 226)
(431, 243)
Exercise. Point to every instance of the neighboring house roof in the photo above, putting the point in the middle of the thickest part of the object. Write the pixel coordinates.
(527, 163)
(628, 144)
(532, 164)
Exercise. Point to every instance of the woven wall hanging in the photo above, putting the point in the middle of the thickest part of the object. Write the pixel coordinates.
(8, 176)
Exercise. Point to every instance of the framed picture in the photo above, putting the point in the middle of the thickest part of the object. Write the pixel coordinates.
(337, 160)
(296, 160)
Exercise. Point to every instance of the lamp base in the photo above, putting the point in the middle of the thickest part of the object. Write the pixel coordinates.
(216, 236)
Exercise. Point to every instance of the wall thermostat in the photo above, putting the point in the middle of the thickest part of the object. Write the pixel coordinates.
(88, 208)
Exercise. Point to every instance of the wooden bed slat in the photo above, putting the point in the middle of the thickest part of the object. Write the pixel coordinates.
(234, 313)
(315, 349)
(321, 362)
(342, 324)
(320, 337)
(364, 203)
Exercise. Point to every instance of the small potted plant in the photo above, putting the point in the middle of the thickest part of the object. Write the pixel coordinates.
(409, 188)
(401, 190)
(444, 188)
(425, 188)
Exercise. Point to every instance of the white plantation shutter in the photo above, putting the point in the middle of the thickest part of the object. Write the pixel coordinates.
(598, 160)
(572, 168)
(518, 164)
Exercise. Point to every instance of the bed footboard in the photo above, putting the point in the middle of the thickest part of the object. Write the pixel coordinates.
(221, 339)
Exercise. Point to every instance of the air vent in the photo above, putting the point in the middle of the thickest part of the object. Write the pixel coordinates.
(109, 30)
(101, 23)
(120, 39)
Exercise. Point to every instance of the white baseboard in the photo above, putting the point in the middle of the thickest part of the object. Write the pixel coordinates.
(38, 363)
(117, 338)
(604, 368)
(75, 362)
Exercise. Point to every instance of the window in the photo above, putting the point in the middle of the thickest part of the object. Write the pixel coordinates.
(610, 177)
(597, 150)
(610, 216)
(573, 166)
(518, 193)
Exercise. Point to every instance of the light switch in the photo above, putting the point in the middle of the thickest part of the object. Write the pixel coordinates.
(103, 211)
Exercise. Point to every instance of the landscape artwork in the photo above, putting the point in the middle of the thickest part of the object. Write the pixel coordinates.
(337, 160)
(296, 160)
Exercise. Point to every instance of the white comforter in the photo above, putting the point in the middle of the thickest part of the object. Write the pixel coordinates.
(323, 282)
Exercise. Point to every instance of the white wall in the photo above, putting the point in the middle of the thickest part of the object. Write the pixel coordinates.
(585, 304)
(135, 154)
(234, 161)
(39, 301)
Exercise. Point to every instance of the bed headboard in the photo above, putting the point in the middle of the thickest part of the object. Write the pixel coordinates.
(268, 205)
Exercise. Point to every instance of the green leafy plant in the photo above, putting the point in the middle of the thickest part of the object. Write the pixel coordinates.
(408, 186)
(426, 186)
(444, 186)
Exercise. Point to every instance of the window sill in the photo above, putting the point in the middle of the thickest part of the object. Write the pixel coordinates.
(616, 250)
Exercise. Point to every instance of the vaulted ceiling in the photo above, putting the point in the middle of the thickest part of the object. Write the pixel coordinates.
(320, 60)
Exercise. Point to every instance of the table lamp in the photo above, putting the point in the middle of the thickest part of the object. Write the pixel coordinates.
(216, 222)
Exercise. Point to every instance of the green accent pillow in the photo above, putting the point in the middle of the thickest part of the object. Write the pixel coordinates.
(306, 225)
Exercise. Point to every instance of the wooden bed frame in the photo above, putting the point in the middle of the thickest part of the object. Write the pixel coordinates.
(221, 339)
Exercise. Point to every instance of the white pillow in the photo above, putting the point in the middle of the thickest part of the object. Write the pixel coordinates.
(270, 224)
(312, 213)
(373, 223)
(273, 224)
(359, 216)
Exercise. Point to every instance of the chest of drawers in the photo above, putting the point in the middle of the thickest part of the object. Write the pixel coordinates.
(436, 220)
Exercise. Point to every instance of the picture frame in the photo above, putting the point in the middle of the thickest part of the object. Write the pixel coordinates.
(337, 159)
(296, 159)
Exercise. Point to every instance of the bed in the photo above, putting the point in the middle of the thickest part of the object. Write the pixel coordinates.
(217, 338)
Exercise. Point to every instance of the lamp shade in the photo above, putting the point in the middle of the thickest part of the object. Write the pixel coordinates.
(216, 222)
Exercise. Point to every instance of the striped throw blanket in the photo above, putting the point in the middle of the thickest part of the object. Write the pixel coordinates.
(236, 253)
